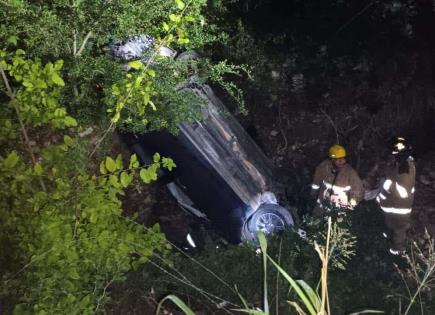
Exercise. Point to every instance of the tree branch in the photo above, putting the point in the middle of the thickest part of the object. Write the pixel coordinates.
(83, 44)
(75, 43)
(333, 125)
(23, 128)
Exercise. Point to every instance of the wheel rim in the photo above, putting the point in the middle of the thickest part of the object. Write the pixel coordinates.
(269, 223)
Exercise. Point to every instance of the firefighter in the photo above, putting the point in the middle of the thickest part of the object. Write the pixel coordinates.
(336, 183)
(397, 195)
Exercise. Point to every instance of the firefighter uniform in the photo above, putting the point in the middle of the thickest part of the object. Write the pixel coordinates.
(395, 199)
(341, 187)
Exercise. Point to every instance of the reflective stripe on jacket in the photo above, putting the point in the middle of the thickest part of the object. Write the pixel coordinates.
(347, 182)
(397, 193)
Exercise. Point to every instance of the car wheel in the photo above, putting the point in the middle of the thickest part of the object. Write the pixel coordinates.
(269, 219)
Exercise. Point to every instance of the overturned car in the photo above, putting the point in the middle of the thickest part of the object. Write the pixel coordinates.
(221, 174)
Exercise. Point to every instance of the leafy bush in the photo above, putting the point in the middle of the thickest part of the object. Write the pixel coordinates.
(61, 220)
(81, 34)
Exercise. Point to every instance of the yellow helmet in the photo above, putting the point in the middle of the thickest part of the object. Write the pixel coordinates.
(337, 152)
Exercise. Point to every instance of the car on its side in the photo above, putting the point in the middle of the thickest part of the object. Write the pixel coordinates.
(221, 175)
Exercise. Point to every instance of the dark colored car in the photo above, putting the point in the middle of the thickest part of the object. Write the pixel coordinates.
(221, 174)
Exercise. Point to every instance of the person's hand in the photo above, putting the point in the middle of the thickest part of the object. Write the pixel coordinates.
(353, 203)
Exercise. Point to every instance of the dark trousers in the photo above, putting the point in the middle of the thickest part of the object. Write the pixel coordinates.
(399, 224)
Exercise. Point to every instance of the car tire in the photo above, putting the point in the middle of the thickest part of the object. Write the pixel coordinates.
(269, 218)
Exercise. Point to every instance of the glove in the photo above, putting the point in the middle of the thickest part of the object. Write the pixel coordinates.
(353, 202)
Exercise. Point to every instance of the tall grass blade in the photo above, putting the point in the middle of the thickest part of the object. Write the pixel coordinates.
(296, 287)
(312, 295)
(368, 312)
(250, 312)
(263, 245)
(242, 299)
(177, 302)
(297, 307)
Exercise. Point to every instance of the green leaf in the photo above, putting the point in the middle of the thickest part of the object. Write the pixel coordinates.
(72, 273)
(93, 218)
(37, 169)
(174, 18)
(57, 79)
(156, 157)
(41, 84)
(68, 140)
(146, 98)
(125, 179)
(102, 168)
(182, 41)
(168, 163)
(85, 302)
(180, 4)
(138, 81)
(134, 163)
(177, 302)
(151, 73)
(116, 117)
(153, 106)
(152, 171)
(114, 181)
(144, 176)
(27, 83)
(165, 27)
(58, 64)
(11, 160)
(119, 162)
(110, 164)
(136, 64)
(12, 40)
(70, 122)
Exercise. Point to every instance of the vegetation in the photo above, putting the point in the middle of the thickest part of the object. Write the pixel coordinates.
(61, 215)
(68, 241)
(63, 94)
(361, 275)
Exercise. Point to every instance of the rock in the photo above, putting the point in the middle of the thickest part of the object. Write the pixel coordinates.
(432, 174)
(424, 180)
(273, 133)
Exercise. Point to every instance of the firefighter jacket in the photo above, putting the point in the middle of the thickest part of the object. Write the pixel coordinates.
(342, 186)
(397, 192)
